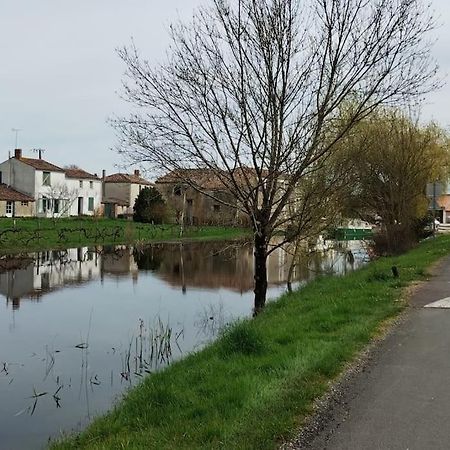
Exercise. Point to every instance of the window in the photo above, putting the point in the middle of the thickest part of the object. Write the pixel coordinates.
(91, 204)
(91, 184)
(24, 203)
(216, 208)
(9, 207)
(46, 178)
(81, 184)
(56, 206)
(45, 204)
(177, 190)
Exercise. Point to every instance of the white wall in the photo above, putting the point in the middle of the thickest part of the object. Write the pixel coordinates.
(19, 176)
(85, 191)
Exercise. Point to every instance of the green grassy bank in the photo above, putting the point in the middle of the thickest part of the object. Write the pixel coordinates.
(255, 385)
(20, 235)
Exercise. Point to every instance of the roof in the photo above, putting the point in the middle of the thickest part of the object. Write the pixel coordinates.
(41, 164)
(204, 178)
(11, 195)
(210, 179)
(80, 173)
(126, 178)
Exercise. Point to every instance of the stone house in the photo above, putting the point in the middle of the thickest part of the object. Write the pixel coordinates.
(120, 191)
(14, 203)
(211, 204)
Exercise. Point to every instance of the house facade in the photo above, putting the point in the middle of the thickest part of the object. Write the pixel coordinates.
(86, 189)
(14, 203)
(210, 204)
(120, 191)
(57, 192)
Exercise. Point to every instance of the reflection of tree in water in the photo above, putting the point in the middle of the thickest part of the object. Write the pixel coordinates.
(148, 258)
(211, 320)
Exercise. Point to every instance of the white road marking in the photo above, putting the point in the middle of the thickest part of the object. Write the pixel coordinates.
(443, 303)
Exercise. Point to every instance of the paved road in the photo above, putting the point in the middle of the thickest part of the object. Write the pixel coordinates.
(402, 399)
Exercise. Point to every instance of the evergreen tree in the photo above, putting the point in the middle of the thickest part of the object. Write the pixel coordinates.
(149, 207)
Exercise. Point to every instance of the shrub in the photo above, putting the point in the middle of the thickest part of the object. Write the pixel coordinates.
(150, 207)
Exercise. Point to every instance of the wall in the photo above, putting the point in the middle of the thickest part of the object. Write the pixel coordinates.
(85, 191)
(19, 209)
(19, 176)
(117, 193)
(200, 209)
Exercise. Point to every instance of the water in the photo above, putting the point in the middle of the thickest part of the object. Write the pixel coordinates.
(79, 327)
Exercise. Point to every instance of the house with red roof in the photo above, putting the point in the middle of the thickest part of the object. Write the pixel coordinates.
(120, 191)
(56, 192)
(14, 203)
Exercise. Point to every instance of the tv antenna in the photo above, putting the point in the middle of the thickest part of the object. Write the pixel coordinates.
(16, 130)
(39, 151)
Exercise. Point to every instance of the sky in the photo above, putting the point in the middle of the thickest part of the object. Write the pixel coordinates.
(60, 76)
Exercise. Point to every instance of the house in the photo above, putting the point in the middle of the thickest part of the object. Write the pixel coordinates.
(120, 191)
(211, 203)
(14, 203)
(87, 192)
(57, 192)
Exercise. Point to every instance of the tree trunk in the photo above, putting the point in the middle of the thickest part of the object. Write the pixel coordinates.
(260, 272)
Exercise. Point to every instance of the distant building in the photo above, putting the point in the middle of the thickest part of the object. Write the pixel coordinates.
(211, 203)
(120, 191)
(14, 203)
(57, 192)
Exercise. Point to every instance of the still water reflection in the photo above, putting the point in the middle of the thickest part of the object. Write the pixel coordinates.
(80, 326)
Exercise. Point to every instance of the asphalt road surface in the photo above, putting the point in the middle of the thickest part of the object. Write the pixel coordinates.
(402, 399)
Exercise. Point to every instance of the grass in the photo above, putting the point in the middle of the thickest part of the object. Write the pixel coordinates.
(254, 386)
(20, 235)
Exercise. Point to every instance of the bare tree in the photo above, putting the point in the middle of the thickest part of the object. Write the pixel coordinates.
(251, 92)
(61, 199)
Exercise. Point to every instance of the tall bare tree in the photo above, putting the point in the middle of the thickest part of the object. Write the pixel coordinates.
(251, 91)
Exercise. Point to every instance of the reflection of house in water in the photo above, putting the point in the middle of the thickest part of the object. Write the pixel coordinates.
(31, 278)
(119, 262)
(211, 265)
(204, 265)
(230, 265)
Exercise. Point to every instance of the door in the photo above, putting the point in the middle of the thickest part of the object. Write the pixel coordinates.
(9, 209)
(80, 206)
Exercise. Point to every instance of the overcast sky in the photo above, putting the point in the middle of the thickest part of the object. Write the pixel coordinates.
(59, 73)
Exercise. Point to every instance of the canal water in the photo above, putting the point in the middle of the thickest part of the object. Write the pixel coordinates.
(79, 327)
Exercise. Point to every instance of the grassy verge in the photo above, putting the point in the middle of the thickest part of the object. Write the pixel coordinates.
(254, 386)
(21, 235)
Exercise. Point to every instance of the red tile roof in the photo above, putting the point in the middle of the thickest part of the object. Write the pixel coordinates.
(126, 178)
(11, 195)
(209, 179)
(204, 178)
(41, 164)
(80, 173)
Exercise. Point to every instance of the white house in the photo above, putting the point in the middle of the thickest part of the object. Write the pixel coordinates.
(58, 192)
(87, 192)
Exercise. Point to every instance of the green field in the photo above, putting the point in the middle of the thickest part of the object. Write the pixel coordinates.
(22, 235)
(254, 386)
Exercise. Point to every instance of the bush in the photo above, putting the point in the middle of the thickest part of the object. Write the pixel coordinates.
(150, 207)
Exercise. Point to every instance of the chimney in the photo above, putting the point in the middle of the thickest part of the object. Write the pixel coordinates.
(40, 154)
(18, 153)
(136, 172)
(103, 174)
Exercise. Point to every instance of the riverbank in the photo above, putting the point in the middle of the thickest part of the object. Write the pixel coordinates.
(254, 386)
(25, 235)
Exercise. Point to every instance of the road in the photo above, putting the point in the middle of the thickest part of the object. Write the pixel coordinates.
(402, 398)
